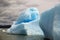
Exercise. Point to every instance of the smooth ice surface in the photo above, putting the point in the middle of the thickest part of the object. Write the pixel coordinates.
(27, 23)
(50, 21)
(46, 22)
(56, 29)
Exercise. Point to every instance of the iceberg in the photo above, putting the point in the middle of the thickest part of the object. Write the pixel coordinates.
(27, 23)
(46, 23)
(56, 24)
(50, 23)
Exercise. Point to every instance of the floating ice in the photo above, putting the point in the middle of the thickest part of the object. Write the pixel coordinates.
(27, 23)
(29, 15)
(50, 23)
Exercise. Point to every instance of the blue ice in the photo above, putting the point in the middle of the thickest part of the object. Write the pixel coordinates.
(27, 23)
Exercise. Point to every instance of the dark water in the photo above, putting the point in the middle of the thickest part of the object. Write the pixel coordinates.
(5, 36)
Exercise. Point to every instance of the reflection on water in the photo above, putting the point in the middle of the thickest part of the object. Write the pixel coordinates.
(5, 36)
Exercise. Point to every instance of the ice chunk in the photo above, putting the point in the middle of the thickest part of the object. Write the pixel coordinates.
(29, 15)
(56, 24)
(50, 23)
(46, 23)
(27, 23)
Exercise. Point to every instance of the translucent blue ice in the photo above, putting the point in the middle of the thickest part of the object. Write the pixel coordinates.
(27, 16)
(27, 23)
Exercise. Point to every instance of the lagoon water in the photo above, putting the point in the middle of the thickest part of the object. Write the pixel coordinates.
(5, 36)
